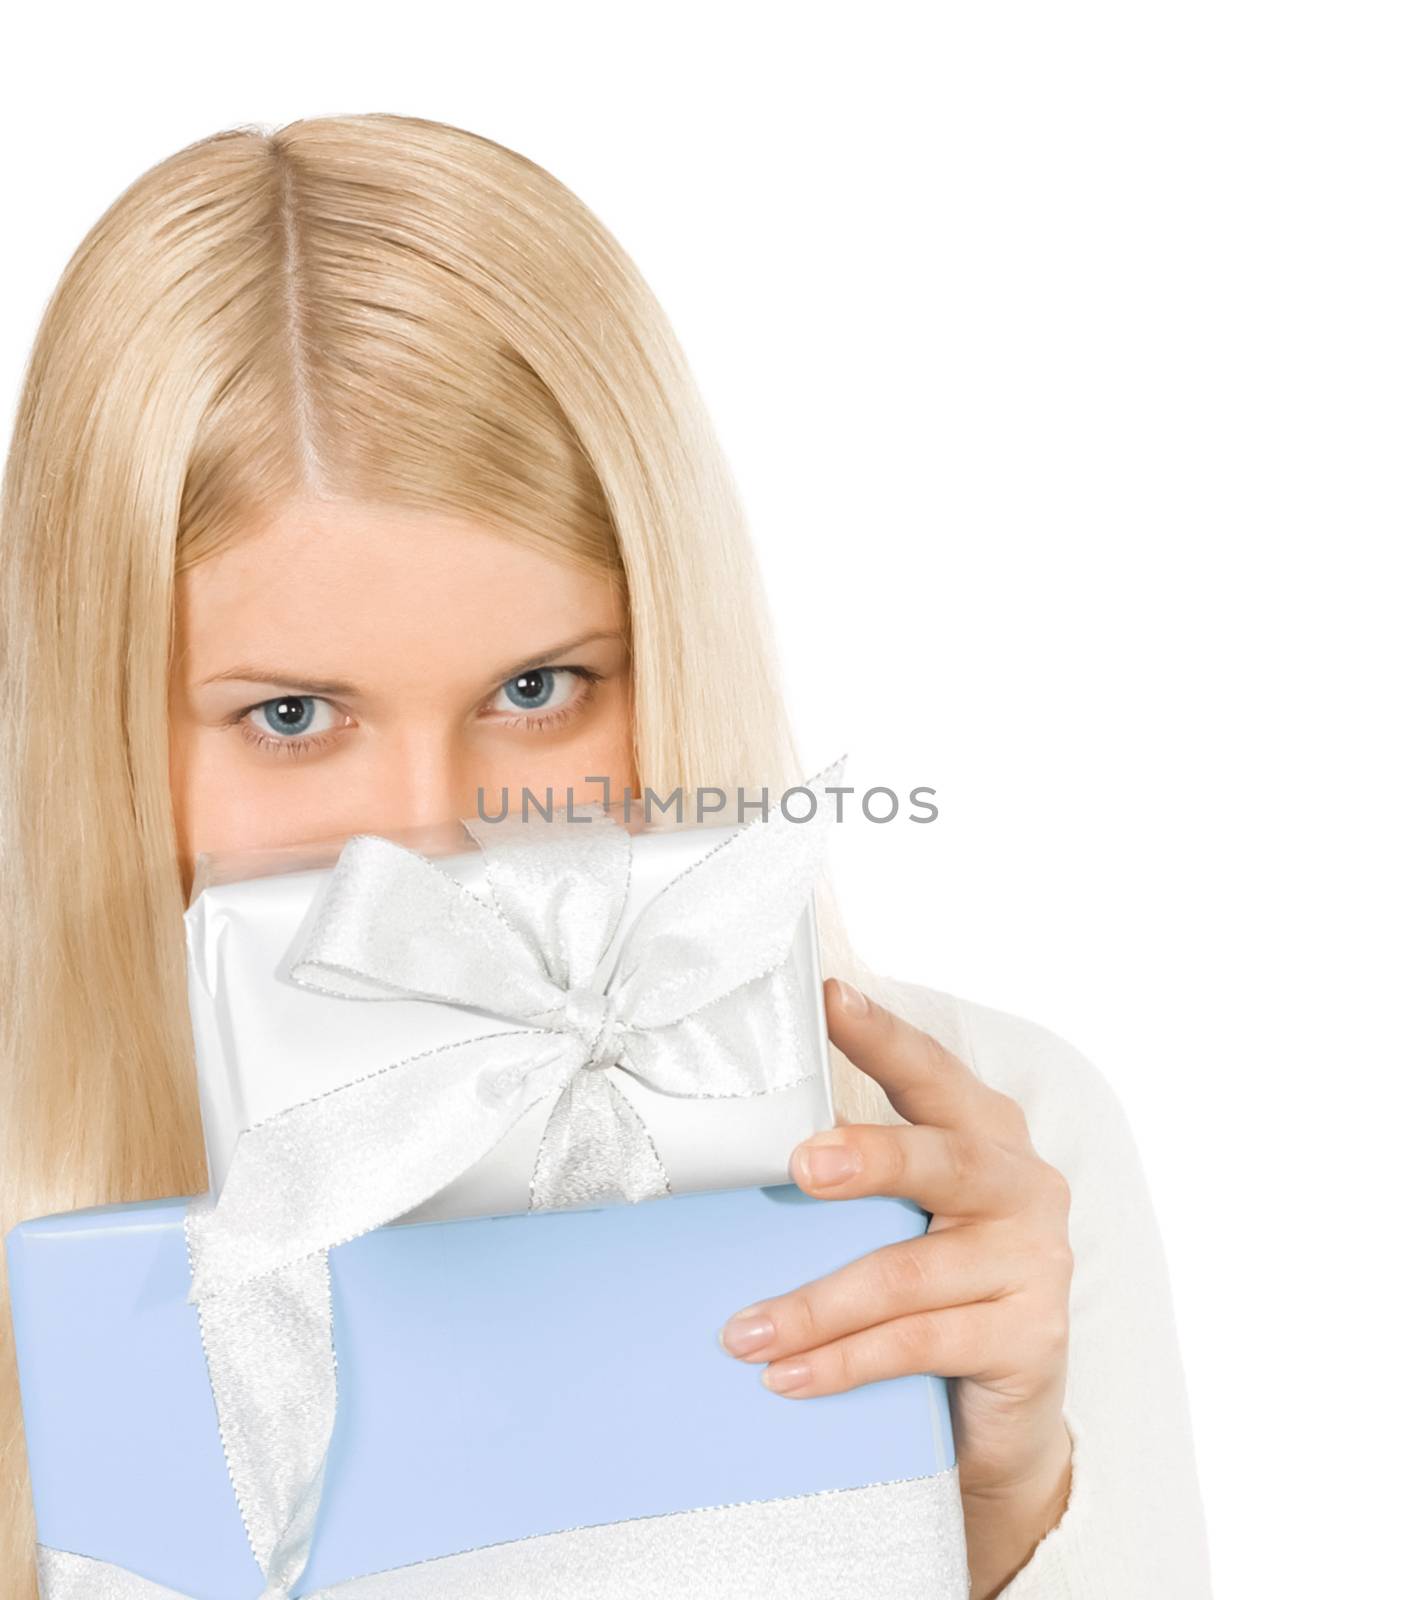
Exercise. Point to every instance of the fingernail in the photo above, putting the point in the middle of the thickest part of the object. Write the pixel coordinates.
(826, 1160)
(851, 1000)
(747, 1330)
(784, 1375)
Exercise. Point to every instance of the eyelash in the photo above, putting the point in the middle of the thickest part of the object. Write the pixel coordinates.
(306, 744)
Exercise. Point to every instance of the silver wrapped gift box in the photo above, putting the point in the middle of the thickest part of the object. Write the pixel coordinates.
(316, 968)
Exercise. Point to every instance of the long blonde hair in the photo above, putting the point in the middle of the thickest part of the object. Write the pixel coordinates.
(377, 307)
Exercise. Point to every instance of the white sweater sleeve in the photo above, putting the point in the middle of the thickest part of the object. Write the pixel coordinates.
(1133, 1525)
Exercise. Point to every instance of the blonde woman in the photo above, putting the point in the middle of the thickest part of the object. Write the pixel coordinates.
(355, 468)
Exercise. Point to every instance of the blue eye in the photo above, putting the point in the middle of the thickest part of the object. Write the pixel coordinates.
(542, 696)
(288, 715)
(290, 724)
(531, 691)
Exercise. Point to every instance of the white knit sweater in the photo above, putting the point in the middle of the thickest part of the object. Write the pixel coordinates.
(1133, 1526)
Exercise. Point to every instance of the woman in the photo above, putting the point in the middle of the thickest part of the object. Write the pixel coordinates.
(356, 467)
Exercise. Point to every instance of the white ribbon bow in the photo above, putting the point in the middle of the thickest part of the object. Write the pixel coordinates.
(698, 1003)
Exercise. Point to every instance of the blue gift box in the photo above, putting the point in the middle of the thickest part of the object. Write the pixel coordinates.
(498, 1378)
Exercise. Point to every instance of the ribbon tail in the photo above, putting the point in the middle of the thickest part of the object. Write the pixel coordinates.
(334, 1167)
(272, 1369)
(595, 1150)
(65, 1576)
(312, 1177)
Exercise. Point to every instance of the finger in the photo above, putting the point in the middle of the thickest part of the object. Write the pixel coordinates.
(953, 1342)
(950, 1172)
(924, 1081)
(912, 1275)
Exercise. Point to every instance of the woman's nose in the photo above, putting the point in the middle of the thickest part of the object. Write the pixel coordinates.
(421, 781)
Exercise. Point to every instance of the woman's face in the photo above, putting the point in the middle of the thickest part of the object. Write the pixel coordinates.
(351, 668)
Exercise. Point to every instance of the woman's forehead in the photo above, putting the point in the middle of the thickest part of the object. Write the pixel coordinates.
(345, 591)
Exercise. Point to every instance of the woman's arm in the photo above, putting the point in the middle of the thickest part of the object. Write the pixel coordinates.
(1133, 1524)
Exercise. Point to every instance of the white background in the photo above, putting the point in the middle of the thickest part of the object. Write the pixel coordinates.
(1059, 353)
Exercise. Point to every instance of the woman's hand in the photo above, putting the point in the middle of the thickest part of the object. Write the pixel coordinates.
(982, 1297)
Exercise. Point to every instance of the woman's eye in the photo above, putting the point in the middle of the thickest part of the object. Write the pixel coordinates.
(291, 716)
(544, 689)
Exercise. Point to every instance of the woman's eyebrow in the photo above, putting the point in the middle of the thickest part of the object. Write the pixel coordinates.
(254, 672)
(544, 656)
